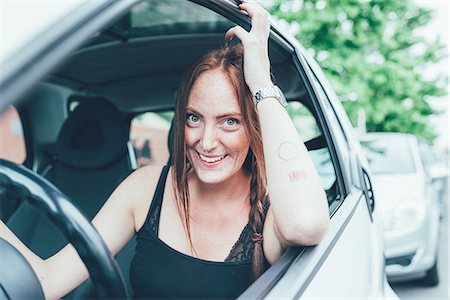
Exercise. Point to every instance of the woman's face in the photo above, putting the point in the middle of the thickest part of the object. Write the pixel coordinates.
(217, 144)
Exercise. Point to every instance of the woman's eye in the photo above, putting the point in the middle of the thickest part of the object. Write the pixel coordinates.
(231, 122)
(192, 118)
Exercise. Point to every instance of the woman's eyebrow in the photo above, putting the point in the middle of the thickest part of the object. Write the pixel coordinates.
(229, 114)
(193, 111)
(221, 116)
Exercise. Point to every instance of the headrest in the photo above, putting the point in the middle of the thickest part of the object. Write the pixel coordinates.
(94, 135)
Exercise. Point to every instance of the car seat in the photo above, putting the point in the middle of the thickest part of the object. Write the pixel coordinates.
(91, 157)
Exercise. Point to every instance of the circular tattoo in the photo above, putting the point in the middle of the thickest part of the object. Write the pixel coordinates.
(287, 151)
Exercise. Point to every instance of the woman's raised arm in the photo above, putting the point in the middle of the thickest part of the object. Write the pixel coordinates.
(298, 213)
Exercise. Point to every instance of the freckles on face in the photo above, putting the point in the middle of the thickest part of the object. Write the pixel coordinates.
(216, 141)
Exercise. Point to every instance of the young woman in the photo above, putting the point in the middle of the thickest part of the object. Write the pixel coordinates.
(242, 187)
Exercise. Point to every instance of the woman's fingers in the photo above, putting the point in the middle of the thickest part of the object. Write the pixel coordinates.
(252, 8)
(237, 31)
(259, 17)
(255, 42)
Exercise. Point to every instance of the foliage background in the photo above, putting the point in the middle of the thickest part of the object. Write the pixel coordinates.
(374, 57)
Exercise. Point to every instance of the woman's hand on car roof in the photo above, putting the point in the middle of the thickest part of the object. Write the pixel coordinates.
(255, 42)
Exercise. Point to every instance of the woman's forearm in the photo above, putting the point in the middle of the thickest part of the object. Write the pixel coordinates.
(297, 198)
(35, 261)
(53, 273)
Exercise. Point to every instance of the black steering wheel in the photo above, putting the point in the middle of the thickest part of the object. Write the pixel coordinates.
(103, 270)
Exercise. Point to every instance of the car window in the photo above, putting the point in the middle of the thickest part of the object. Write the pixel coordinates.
(12, 146)
(308, 129)
(148, 135)
(389, 155)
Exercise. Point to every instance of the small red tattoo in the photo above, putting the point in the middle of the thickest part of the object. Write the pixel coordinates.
(296, 175)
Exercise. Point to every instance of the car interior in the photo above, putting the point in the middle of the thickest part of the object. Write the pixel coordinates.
(80, 123)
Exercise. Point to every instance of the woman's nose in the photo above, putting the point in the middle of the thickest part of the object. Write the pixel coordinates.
(209, 138)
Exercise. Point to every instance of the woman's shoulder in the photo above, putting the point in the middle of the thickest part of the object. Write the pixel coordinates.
(143, 181)
(142, 185)
(147, 172)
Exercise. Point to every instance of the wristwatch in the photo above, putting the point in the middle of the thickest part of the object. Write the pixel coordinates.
(270, 92)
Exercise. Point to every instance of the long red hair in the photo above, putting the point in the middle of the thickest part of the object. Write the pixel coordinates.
(230, 61)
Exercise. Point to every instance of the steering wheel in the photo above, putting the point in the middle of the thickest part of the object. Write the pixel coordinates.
(103, 270)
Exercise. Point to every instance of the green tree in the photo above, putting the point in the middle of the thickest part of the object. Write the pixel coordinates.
(373, 57)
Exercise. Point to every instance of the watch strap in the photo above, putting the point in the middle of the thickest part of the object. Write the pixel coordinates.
(270, 92)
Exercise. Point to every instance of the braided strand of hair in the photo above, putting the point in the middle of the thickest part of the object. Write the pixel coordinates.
(256, 217)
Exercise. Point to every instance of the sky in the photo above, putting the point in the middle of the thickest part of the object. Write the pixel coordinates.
(439, 27)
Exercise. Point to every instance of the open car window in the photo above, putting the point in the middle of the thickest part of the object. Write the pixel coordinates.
(311, 135)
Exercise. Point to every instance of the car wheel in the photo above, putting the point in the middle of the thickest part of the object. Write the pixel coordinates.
(432, 276)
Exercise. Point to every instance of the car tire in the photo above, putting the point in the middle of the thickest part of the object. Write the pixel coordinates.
(432, 276)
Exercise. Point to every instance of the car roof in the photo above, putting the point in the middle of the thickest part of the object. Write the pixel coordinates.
(140, 68)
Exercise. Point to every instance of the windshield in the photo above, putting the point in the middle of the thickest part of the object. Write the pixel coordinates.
(389, 155)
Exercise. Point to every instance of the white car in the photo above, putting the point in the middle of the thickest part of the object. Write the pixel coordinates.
(409, 206)
(121, 63)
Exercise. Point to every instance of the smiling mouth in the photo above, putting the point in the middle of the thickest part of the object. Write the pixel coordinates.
(210, 160)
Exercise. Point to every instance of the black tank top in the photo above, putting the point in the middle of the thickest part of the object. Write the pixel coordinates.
(159, 271)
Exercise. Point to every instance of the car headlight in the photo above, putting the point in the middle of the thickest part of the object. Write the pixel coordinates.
(409, 213)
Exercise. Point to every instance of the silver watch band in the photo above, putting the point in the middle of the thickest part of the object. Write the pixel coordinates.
(270, 92)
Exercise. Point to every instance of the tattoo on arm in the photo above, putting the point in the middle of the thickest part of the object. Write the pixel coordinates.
(296, 175)
(287, 151)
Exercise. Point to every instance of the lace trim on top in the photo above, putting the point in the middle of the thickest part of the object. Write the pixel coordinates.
(243, 249)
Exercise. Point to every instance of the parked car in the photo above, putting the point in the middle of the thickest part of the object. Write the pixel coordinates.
(409, 206)
(99, 78)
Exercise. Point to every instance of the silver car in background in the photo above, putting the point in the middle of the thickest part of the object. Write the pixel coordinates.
(409, 206)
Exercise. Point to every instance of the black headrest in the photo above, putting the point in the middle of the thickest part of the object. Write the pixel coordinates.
(94, 135)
